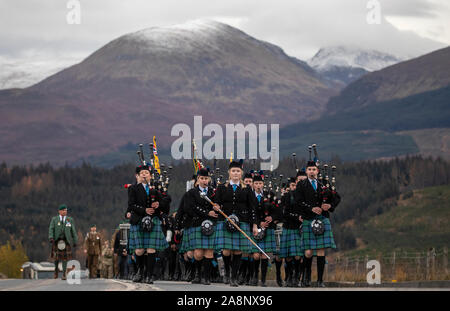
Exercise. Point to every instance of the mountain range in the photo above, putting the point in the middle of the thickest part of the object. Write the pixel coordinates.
(141, 84)
(401, 109)
(345, 64)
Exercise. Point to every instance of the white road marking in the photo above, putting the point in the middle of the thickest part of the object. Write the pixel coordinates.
(130, 286)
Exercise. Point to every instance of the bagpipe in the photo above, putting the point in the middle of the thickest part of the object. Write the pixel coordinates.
(159, 181)
(294, 161)
(271, 201)
(215, 174)
(160, 176)
(275, 188)
(328, 189)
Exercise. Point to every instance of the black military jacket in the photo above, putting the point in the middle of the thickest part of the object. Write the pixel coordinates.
(240, 202)
(182, 219)
(291, 211)
(197, 207)
(267, 207)
(307, 198)
(138, 201)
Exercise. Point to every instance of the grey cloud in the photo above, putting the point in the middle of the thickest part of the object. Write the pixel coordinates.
(299, 27)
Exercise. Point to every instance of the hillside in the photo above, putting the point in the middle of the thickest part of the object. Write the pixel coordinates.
(391, 112)
(419, 220)
(423, 74)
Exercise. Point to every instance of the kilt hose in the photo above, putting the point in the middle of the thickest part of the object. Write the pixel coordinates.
(311, 241)
(290, 243)
(268, 244)
(232, 240)
(142, 239)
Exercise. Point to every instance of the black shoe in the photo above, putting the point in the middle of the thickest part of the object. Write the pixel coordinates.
(307, 282)
(288, 281)
(279, 281)
(138, 276)
(233, 283)
(241, 280)
(196, 280)
(295, 281)
(254, 282)
(226, 279)
(148, 280)
(320, 284)
(248, 280)
(263, 281)
(190, 276)
(206, 282)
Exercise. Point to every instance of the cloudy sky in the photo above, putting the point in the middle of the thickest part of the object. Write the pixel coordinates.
(37, 30)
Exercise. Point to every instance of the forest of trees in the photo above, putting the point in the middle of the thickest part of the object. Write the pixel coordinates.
(29, 196)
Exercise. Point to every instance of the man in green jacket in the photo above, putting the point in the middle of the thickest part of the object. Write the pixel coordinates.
(63, 237)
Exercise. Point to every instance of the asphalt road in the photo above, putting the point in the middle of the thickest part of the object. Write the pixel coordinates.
(120, 285)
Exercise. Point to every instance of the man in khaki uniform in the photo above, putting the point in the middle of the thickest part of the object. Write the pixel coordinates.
(93, 248)
(107, 261)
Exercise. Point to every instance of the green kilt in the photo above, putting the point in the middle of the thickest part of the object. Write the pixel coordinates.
(197, 240)
(268, 244)
(142, 239)
(290, 243)
(185, 246)
(311, 241)
(232, 241)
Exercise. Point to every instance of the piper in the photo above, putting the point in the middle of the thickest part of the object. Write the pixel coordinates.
(234, 198)
(267, 218)
(202, 233)
(291, 249)
(146, 234)
(317, 234)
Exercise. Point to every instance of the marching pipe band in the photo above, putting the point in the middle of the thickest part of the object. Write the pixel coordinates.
(230, 230)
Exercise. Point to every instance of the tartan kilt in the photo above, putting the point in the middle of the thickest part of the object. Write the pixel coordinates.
(311, 241)
(268, 244)
(197, 240)
(185, 246)
(290, 243)
(62, 255)
(142, 239)
(232, 241)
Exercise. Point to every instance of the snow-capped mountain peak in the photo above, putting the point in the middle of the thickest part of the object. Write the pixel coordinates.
(351, 57)
(182, 37)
